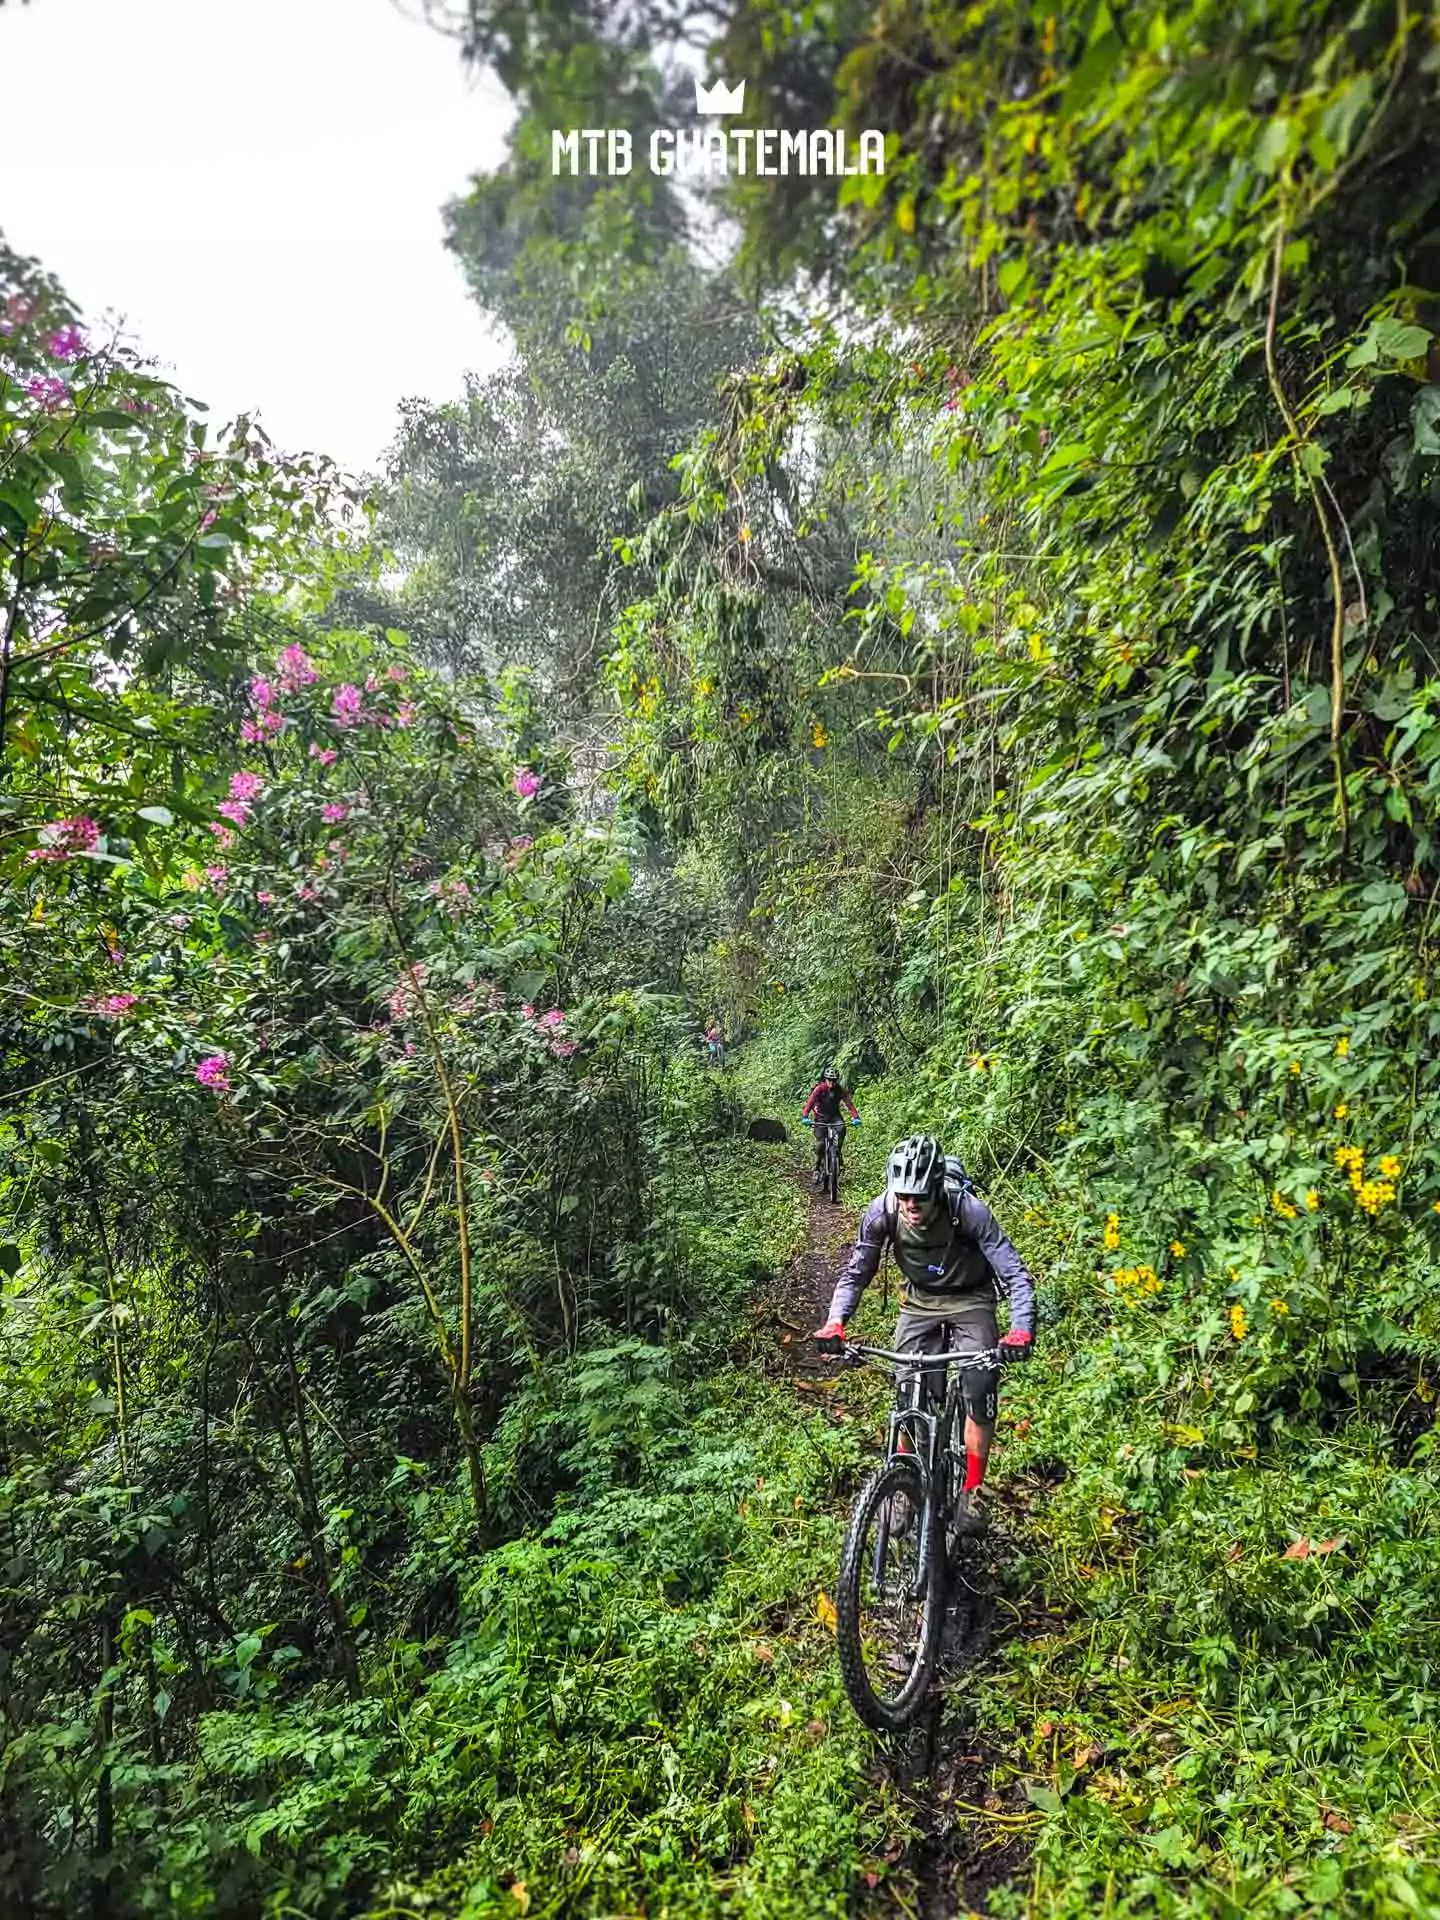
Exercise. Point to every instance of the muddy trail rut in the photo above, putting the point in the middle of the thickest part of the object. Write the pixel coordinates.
(940, 1769)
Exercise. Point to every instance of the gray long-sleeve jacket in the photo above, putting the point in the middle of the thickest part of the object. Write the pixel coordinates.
(980, 1256)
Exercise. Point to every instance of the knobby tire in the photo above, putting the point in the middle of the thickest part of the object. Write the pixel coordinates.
(865, 1625)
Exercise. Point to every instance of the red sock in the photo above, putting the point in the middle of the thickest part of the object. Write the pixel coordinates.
(974, 1470)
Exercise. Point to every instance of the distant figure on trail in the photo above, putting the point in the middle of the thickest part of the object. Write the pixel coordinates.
(823, 1107)
(954, 1257)
(715, 1043)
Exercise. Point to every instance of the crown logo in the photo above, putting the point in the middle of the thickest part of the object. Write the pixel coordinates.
(719, 98)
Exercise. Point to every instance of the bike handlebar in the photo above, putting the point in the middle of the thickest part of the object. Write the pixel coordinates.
(856, 1354)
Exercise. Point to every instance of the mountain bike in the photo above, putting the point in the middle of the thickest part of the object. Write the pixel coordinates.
(902, 1560)
(828, 1173)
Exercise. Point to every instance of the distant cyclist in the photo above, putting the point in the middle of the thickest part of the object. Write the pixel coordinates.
(954, 1257)
(823, 1108)
(715, 1043)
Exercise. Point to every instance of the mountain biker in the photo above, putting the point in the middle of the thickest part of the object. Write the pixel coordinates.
(954, 1257)
(715, 1042)
(823, 1107)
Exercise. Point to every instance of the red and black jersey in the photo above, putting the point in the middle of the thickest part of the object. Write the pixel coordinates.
(825, 1102)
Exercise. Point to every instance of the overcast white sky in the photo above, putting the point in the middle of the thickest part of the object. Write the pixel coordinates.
(255, 187)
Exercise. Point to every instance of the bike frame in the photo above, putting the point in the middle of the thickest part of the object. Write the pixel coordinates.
(911, 1418)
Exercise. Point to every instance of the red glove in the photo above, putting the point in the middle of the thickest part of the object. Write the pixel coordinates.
(831, 1337)
(1016, 1346)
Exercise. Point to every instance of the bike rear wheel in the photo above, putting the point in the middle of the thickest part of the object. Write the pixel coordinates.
(889, 1608)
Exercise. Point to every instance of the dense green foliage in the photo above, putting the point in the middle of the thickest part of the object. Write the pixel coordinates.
(1015, 676)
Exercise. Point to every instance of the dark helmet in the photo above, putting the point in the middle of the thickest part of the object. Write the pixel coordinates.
(917, 1168)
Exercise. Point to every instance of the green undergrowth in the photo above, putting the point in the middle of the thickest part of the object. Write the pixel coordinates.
(631, 1707)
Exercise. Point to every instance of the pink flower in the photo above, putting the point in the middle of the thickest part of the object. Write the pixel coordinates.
(19, 308)
(265, 898)
(409, 1049)
(50, 392)
(346, 705)
(334, 811)
(372, 681)
(564, 1048)
(271, 722)
(261, 691)
(208, 519)
(223, 834)
(214, 1071)
(527, 1011)
(217, 876)
(295, 668)
(405, 714)
(250, 733)
(62, 838)
(395, 671)
(526, 783)
(112, 1006)
(246, 786)
(66, 343)
(180, 920)
(115, 955)
(234, 811)
(307, 893)
(554, 1018)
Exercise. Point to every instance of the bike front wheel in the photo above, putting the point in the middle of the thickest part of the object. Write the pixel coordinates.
(832, 1175)
(890, 1604)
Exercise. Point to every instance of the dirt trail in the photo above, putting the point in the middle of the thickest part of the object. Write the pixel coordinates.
(949, 1869)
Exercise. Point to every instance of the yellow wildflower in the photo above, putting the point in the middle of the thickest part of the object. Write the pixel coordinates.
(1312, 1200)
(1341, 1111)
(745, 533)
(1279, 1306)
(1131, 1282)
(1389, 1166)
(707, 686)
(1177, 1248)
(1372, 1195)
(1342, 1047)
(1112, 1232)
(1435, 1206)
(819, 737)
(1239, 1326)
(1294, 1066)
(1282, 1206)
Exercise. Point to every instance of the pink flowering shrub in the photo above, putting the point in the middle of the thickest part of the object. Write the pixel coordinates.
(214, 1071)
(64, 838)
(327, 756)
(246, 786)
(334, 811)
(66, 343)
(526, 783)
(49, 391)
(295, 669)
(110, 1006)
